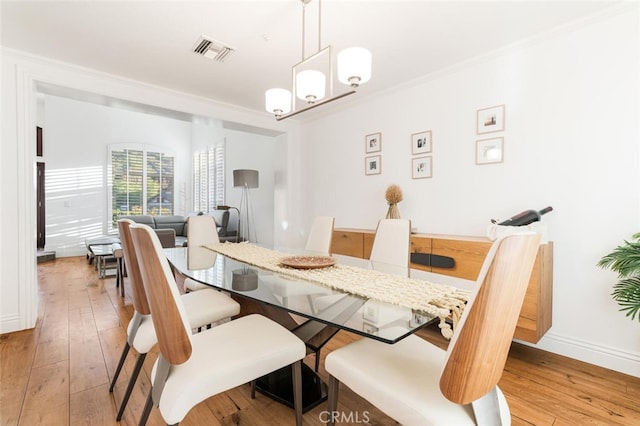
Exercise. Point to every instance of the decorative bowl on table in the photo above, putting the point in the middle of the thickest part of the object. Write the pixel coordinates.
(308, 262)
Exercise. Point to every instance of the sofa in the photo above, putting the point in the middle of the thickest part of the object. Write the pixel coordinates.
(226, 225)
(163, 225)
(172, 230)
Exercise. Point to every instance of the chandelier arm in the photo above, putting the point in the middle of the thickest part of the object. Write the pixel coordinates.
(315, 105)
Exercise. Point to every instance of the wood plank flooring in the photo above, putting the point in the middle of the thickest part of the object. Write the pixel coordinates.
(59, 372)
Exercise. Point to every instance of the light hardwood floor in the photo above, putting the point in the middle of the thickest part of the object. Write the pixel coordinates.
(59, 372)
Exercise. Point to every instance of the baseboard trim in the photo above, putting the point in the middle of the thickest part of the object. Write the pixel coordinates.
(600, 355)
(9, 323)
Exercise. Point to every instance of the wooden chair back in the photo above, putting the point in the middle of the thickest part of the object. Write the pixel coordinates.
(140, 303)
(321, 235)
(392, 242)
(169, 319)
(201, 230)
(480, 345)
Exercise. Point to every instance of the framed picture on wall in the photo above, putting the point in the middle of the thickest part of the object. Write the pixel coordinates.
(373, 143)
(421, 142)
(373, 165)
(490, 119)
(489, 151)
(421, 167)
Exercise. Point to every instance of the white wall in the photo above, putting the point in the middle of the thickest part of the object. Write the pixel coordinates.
(77, 136)
(245, 151)
(571, 141)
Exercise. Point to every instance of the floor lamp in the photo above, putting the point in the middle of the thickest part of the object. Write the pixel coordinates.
(246, 179)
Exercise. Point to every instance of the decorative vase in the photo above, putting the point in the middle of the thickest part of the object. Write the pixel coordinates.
(393, 212)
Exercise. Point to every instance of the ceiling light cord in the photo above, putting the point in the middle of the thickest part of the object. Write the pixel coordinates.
(319, 25)
(304, 26)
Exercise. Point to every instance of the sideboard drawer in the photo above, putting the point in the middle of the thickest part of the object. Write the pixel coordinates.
(421, 245)
(368, 244)
(467, 255)
(348, 243)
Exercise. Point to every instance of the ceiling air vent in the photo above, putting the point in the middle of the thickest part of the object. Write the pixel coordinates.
(212, 49)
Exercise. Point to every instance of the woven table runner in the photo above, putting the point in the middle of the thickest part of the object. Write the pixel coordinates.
(442, 301)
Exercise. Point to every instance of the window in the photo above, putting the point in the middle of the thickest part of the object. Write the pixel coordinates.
(142, 182)
(208, 179)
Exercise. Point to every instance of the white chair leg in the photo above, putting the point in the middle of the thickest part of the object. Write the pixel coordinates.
(487, 409)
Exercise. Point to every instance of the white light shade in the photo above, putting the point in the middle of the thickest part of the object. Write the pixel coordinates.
(354, 66)
(310, 85)
(277, 101)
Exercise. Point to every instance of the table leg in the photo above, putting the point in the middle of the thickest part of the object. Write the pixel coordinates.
(99, 265)
(278, 385)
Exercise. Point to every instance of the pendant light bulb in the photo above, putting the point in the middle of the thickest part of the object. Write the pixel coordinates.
(310, 85)
(354, 66)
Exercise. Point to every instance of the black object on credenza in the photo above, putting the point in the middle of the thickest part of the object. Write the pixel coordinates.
(428, 259)
(525, 218)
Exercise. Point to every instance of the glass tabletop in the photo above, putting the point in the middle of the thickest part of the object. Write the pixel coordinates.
(379, 320)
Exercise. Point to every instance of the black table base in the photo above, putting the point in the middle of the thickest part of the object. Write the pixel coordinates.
(279, 386)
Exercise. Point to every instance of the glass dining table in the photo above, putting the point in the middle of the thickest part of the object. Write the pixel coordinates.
(313, 312)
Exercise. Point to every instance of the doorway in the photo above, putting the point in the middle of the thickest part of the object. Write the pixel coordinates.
(40, 212)
(40, 216)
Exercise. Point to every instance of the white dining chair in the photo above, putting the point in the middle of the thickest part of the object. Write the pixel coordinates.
(389, 254)
(319, 242)
(201, 230)
(417, 383)
(320, 235)
(392, 243)
(202, 309)
(191, 368)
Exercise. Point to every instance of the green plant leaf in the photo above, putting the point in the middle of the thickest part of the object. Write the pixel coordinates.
(624, 259)
(627, 293)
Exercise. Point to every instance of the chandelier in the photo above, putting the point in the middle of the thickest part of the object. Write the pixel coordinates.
(310, 85)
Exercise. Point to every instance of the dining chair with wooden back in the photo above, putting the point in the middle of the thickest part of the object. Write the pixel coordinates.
(320, 235)
(191, 368)
(392, 243)
(201, 230)
(417, 383)
(203, 309)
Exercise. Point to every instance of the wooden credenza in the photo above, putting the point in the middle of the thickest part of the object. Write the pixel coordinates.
(468, 254)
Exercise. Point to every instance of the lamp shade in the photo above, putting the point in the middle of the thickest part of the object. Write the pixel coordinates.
(245, 178)
(310, 85)
(277, 101)
(354, 66)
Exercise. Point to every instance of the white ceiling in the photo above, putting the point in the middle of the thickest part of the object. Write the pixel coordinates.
(151, 41)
